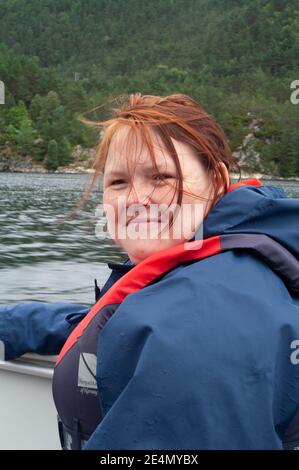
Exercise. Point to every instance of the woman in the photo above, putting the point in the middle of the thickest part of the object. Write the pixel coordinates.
(193, 341)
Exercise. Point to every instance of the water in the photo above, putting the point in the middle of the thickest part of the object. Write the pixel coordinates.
(42, 258)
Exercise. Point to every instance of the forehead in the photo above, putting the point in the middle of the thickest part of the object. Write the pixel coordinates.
(128, 151)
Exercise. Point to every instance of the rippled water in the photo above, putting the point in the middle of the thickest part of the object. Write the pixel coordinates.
(44, 258)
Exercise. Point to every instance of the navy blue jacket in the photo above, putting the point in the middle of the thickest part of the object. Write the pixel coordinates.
(205, 358)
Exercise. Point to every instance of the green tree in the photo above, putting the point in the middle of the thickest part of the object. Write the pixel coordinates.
(65, 152)
(25, 139)
(288, 155)
(18, 116)
(52, 161)
(19, 128)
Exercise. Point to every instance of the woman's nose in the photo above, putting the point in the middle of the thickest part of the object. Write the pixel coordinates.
(139, 194)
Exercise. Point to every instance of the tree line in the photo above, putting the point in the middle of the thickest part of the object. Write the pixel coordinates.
(237, 58)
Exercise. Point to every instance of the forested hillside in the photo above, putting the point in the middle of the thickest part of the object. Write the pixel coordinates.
(237, 58)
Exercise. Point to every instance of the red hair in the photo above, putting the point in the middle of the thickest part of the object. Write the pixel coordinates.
(176, 117)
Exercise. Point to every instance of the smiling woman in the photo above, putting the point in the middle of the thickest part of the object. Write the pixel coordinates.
(160, 150)
(143, 185)
(190, 343)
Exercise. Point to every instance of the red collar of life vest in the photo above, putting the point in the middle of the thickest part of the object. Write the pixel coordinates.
(149, 269)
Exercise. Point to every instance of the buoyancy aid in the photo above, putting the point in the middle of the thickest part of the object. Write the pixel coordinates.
(75, 387)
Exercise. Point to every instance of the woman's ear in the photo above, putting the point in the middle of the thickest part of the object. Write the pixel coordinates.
(223, 169)
(226, 174)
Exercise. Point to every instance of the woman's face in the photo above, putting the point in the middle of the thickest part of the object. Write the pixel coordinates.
(136, 200)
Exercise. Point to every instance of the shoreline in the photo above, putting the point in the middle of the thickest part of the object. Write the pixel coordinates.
(82, 170)
(26, 164)
(263, 176)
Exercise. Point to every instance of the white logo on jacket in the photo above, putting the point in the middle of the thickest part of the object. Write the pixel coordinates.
(87, 371)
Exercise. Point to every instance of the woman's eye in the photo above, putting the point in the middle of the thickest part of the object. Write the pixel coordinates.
(117, 182)
(162, 177)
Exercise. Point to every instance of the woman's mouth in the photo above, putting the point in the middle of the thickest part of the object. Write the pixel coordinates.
(144, 220)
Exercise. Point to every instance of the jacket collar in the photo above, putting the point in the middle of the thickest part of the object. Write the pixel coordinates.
(117, 271)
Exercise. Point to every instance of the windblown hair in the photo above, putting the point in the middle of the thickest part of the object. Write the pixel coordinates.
(170, 117)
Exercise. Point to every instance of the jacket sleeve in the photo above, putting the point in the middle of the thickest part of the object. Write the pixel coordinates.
(37, 327)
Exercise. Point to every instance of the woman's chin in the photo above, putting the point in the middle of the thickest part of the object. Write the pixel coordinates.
(138, 250)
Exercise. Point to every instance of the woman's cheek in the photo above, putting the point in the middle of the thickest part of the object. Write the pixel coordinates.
(110, 198)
